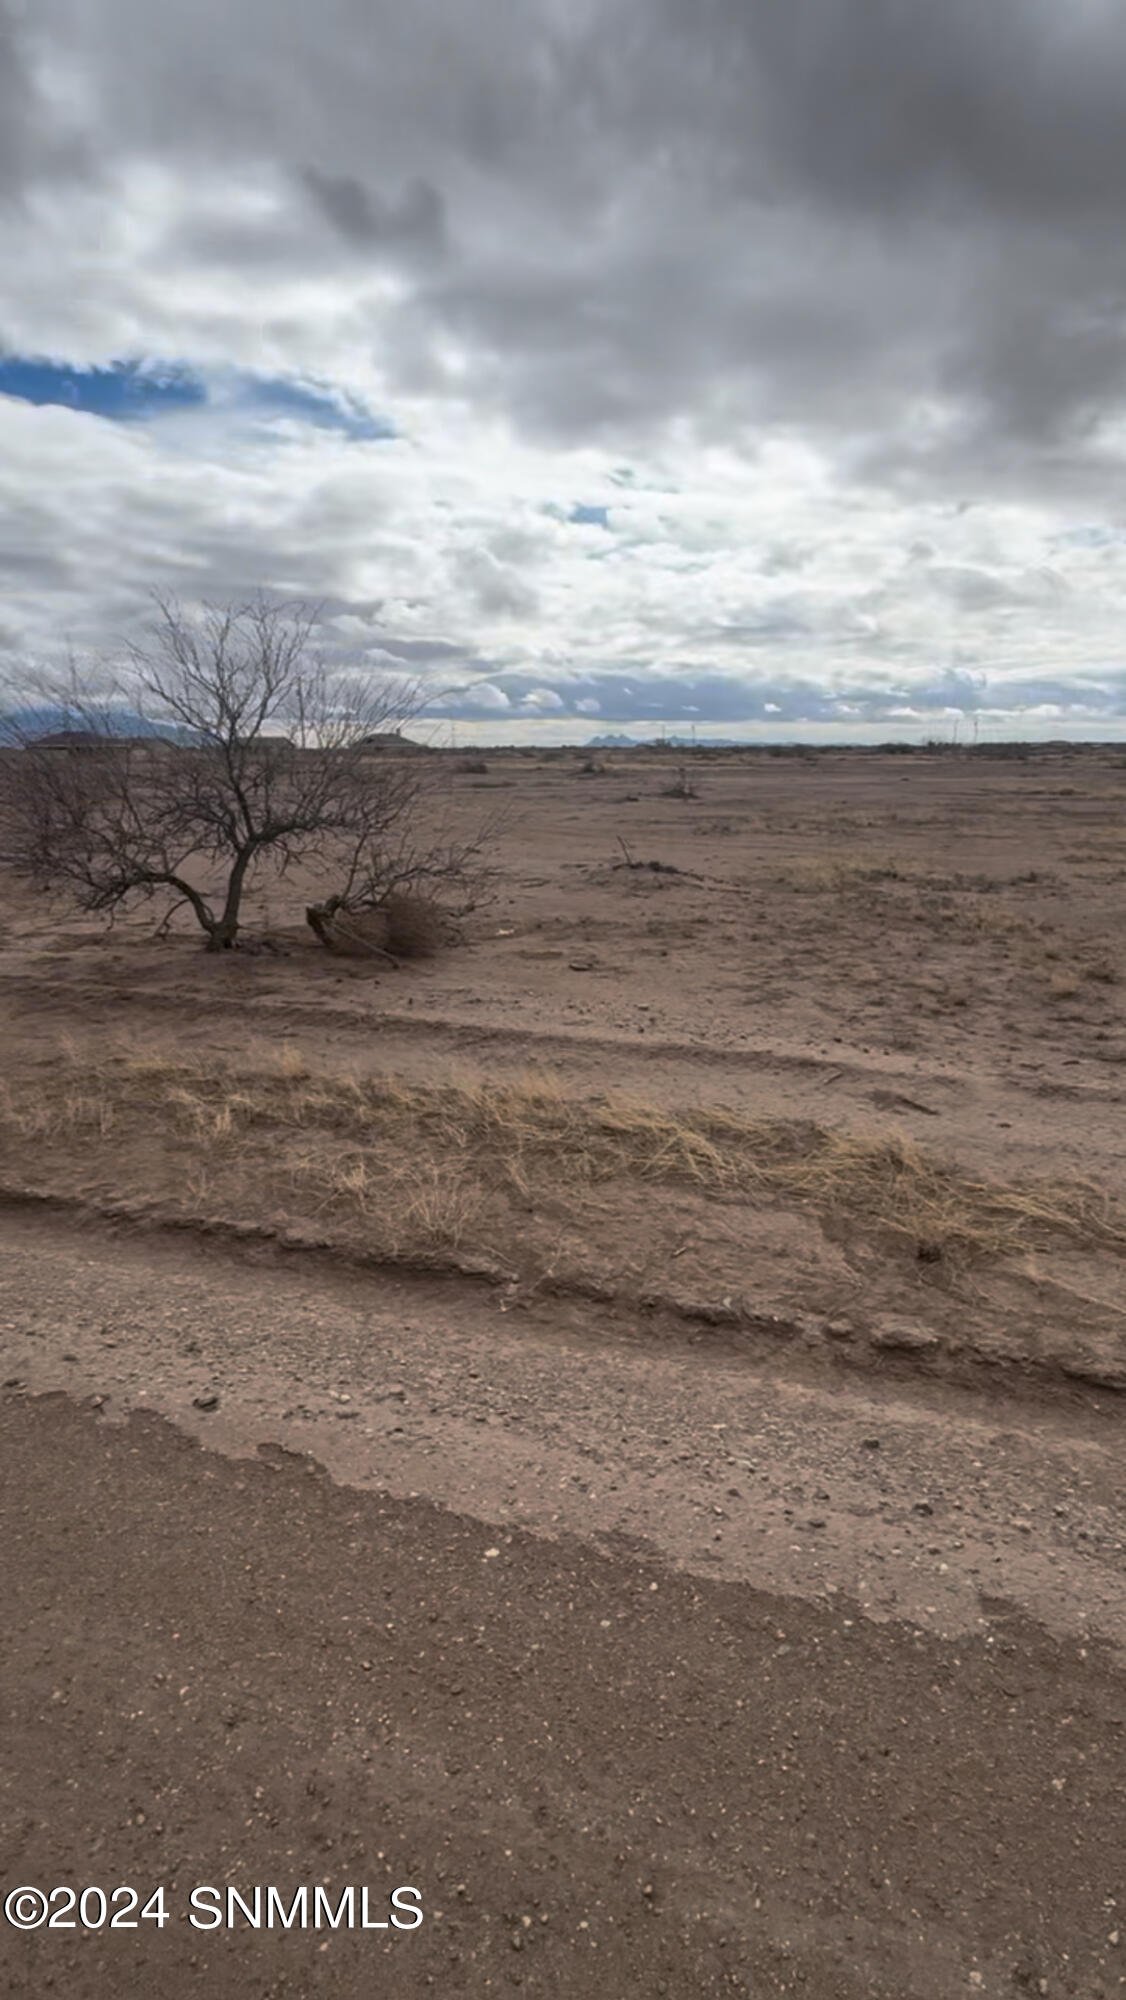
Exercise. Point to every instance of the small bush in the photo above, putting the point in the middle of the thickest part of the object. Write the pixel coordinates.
(416, 925)
(472, 767)
(406, 924)
(681, 788)
(350, 933)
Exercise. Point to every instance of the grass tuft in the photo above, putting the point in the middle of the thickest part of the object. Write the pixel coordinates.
(426, 1155)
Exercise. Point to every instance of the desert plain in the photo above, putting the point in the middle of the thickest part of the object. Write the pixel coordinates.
(618, 1422)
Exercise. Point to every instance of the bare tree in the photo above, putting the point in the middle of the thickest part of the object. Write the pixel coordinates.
(265, 753)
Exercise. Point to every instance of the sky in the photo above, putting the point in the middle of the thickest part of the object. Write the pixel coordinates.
(609, 365)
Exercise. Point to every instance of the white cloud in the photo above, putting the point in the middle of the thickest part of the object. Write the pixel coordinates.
(681, 265)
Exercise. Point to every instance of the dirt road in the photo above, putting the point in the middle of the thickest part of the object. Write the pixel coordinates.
(761, 1687)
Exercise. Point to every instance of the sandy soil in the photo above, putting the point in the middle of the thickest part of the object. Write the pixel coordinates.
(804, 1412)
(918, 950)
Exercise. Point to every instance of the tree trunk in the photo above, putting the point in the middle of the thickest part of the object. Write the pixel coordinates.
(225, 931)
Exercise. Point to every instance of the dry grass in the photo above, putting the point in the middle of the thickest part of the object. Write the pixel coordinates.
(424, 1157)
(351, 933)
(407, 924)
(916, 895)
(817, 876)
(434, 1203)
(416, 926)
(994, 920)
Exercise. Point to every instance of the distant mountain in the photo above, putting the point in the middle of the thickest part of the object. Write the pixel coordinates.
(20, 724)
(709, 743)
(662, 743)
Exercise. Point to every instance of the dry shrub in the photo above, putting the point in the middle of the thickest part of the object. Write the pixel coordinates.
(417, 926)
(682, 787)
(351, 933)
(406, 924)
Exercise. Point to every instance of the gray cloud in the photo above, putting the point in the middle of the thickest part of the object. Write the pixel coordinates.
(365, 218)
(1014, 107)
(867, 253)
(743, 211)
(694, 697)
(37, 145)
(16, 104)
(422, 652)
(494, 587)
(734, 209)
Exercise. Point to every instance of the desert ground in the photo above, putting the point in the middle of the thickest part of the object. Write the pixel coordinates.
(618, 1423)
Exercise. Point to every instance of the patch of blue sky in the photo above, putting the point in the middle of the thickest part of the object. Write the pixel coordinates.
(126, 391)
(141, 391)
(322, 407)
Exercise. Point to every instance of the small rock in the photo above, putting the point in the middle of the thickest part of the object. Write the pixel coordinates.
(210, 1401)
(903, 1336)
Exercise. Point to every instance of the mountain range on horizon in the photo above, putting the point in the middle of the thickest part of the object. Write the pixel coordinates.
(612, 741)
(18, 725)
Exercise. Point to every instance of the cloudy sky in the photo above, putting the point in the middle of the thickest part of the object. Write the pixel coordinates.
(752, 364)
